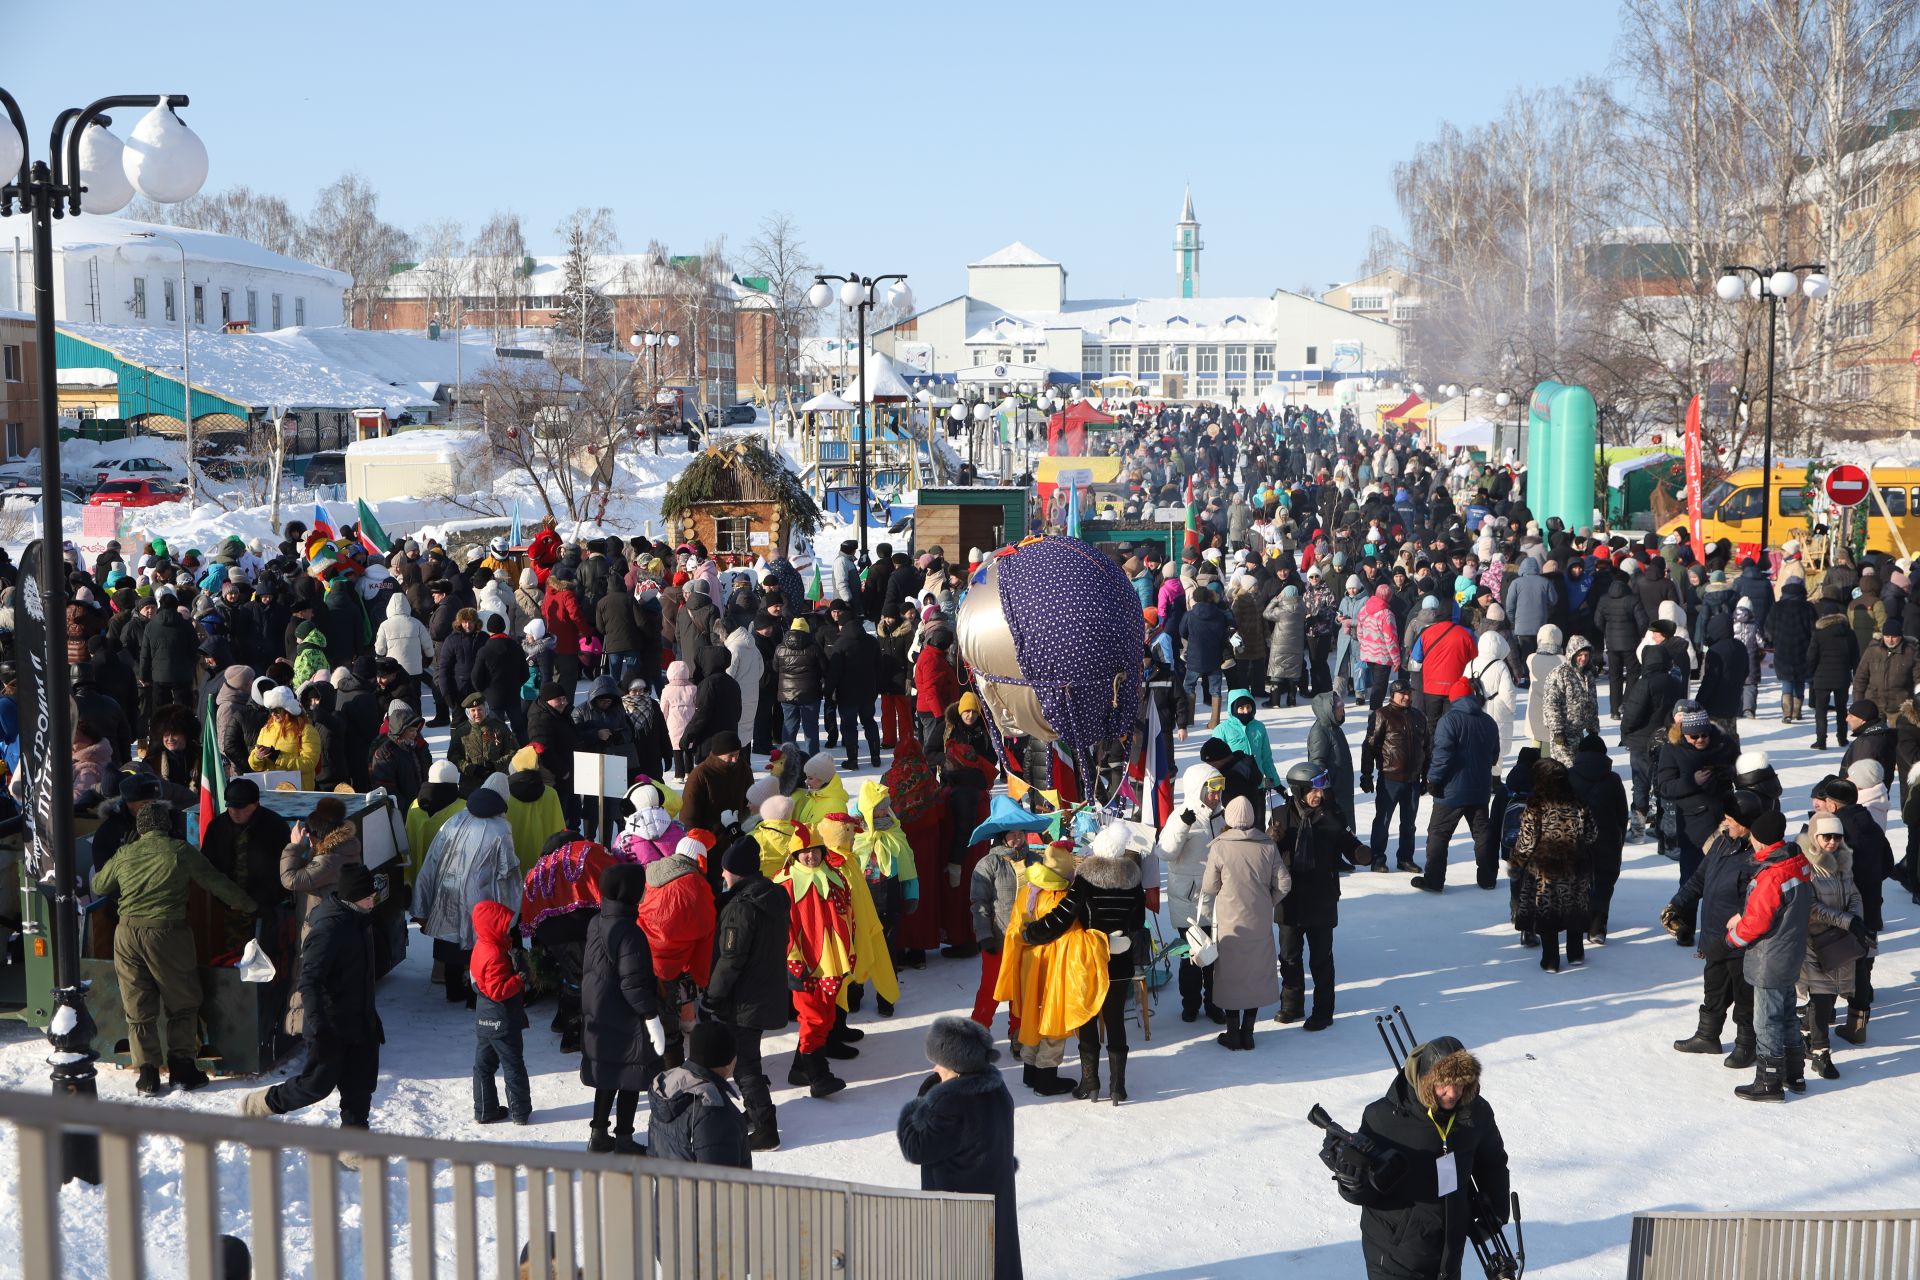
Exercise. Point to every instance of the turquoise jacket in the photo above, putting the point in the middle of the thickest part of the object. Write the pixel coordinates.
(1250, 738)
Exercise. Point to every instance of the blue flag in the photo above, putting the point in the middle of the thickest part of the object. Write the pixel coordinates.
(513, 539)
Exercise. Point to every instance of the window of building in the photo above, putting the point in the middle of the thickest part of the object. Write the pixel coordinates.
(253, 308)
(1004, 356)
(1236, 361)
(139, 297)
(1854, 383)
(167, 299)
(1853, 320)
(1120, 359)
(1263, 358)
(276, 311)
(199, 304)
(1177, 358)
(299, 310)
(16, 444)
(13, 364)
(1149, 359)
(1313, 356)
(730, 535)
(226, 306)
(1029, 355)
(1207, 360)
(1090, 361)
(1368, 302)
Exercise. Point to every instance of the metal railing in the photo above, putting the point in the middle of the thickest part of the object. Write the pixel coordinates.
(578, 1214)
(1864, 1244)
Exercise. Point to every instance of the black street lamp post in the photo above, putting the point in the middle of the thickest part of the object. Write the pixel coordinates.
(856, 293)
(168, 164)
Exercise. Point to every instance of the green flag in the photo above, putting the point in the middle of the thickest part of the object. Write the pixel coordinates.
(814, 590)
(372, 536)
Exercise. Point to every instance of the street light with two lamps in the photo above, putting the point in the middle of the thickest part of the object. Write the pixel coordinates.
(858, 294)
(651, 340)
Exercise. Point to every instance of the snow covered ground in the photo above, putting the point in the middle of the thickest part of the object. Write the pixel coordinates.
(1211, 1169)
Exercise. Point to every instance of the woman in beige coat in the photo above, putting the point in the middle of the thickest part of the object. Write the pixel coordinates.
(1245, 880)
(310, 867)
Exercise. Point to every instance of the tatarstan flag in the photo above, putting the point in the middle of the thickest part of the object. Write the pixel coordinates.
(1193, 518)
(213, 782)
(372, 536)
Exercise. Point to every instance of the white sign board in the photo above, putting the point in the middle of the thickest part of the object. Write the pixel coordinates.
(1170, 515)
(275, 779)
(597, 775)
(759, 540)
(1078, 478)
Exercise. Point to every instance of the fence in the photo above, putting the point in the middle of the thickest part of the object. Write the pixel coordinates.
(1868, 1244)
(607, 1215)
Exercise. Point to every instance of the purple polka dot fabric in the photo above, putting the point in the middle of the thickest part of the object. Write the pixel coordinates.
(1075, 621)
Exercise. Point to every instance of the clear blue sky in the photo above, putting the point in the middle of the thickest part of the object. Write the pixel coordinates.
(899, 137)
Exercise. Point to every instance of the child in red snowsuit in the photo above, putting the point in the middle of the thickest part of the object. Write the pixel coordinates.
(499, 1016)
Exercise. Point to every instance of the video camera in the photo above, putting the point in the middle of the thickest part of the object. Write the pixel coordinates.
(1352, 1158)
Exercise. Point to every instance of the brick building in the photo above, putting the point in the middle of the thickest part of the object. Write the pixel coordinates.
(19, 392)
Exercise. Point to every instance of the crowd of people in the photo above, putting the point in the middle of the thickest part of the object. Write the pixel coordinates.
(741, 885)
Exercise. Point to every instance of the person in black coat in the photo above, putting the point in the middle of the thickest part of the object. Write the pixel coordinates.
(800, 673)
(169, 655)
(499, 672)
(1431, 1117)
(361, 709)
(1723, 673)
(1872, 865)
(716, 701)
(1621, 622)
(959, 1130)
(690, 1112)
(453, 663)
(1833, 654)
(1717, 890)
(1105, 897)
(873, 592)
(1598, 787)
(1788, 630)
(1317, 848)
(617, 618)
(551, 730)
(340, 1023)
(1240, 772)
(621, 1036)
(853, 685)
(1644, 717)
(747, 990)
(1694, 778)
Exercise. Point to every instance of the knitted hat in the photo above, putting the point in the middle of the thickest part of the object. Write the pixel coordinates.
(1825, 824)
(1769, 828)
(969, 701)
(356, 882)
(1865, 708)
(552, 689)
(1693, 718)
(442, 771)
(486, 803)
(820, 767)
(742, 857)
(710, 1045)
(1865, 773)
(776, 808)
(690, 849)
(961, 1045)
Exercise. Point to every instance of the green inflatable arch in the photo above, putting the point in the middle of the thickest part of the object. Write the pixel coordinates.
(1561, 439)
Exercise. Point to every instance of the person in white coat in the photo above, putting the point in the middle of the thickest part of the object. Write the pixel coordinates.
(1540, 664)
(846, 574)
(746, 668)
(1184, 842)
(1490, 668)
(403, 637)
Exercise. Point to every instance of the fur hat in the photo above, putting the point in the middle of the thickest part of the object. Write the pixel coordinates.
(1751, 762)
(820, 767)
(1769, 828)
(1443, 1061)
(961, 1045)
(282, 699)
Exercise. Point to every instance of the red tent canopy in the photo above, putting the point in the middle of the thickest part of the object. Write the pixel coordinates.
(1410, 403)
(1067, 432)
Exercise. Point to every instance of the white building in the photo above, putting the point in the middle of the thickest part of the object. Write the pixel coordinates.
(108, 271)
(1016, 324)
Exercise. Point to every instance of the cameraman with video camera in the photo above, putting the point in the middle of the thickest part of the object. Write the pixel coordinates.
(1434, 1144)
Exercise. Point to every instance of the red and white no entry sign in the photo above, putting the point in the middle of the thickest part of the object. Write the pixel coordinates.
(1847, 485)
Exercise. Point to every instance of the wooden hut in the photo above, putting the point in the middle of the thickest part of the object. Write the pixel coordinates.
(740, 501)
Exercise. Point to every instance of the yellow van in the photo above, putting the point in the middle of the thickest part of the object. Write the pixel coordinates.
(1731, 508)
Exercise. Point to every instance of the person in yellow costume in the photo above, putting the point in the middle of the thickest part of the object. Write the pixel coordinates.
(821, 793)
(1053, 987)
(820, 958)
(886, 860)
(438, 801)
(872, 962)
(775, 833)
(533, 807)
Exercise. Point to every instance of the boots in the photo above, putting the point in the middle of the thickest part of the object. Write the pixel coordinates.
(1821, 1060)
(185, 1073)
(1706, 1036)
(1027, 1073)
(624, 1145)
(1214, 723)
(821, 1082)
(148, 1085)
(1048, 1084)
(764, 1137)
(1793, 1069)
(1742, 1056)
(254, 1105)
(1117, 1074)
(599, 1141)
(1854, 1029)
(797, 1073)
(1088, 1090)
(1766, 1084)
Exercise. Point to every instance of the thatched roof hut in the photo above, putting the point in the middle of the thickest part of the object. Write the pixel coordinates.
(739, 499)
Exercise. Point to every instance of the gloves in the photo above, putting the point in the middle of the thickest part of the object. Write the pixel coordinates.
(728, 817)
(795, 982)
(1670, 920)
(1186, 816)
(926, 1086)
(1118, 943)
(953, 875)
(911, 892)
(1858, 928)
(1026, 934)
(992, 945)
(1366, 783)
(657, 1034)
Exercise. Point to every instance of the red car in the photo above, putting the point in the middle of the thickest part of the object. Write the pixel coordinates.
(136, 493)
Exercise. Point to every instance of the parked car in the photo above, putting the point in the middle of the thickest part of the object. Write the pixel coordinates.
(136, 469)
(27, 496)
(325, 468)
(28, 473)
(742, 415)
(137, 493)
(221, 454)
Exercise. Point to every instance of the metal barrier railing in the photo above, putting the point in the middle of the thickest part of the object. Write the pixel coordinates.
(578, 1214)
(1865, 1244)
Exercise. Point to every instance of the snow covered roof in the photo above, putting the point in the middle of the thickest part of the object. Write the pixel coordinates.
(446, 443)
(86, 378)
(1015, 255)
(1132, 320)
(95, 231)
(616, 274)
(259, 370)
(394, 356)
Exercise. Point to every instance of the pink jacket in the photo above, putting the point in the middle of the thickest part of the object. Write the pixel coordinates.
(677, 701)
(1379, 634)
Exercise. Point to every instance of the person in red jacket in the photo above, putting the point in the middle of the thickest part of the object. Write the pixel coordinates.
(567, 624)
(677, 916)
(935, 686)
(1443, 651)
(499, 1016)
